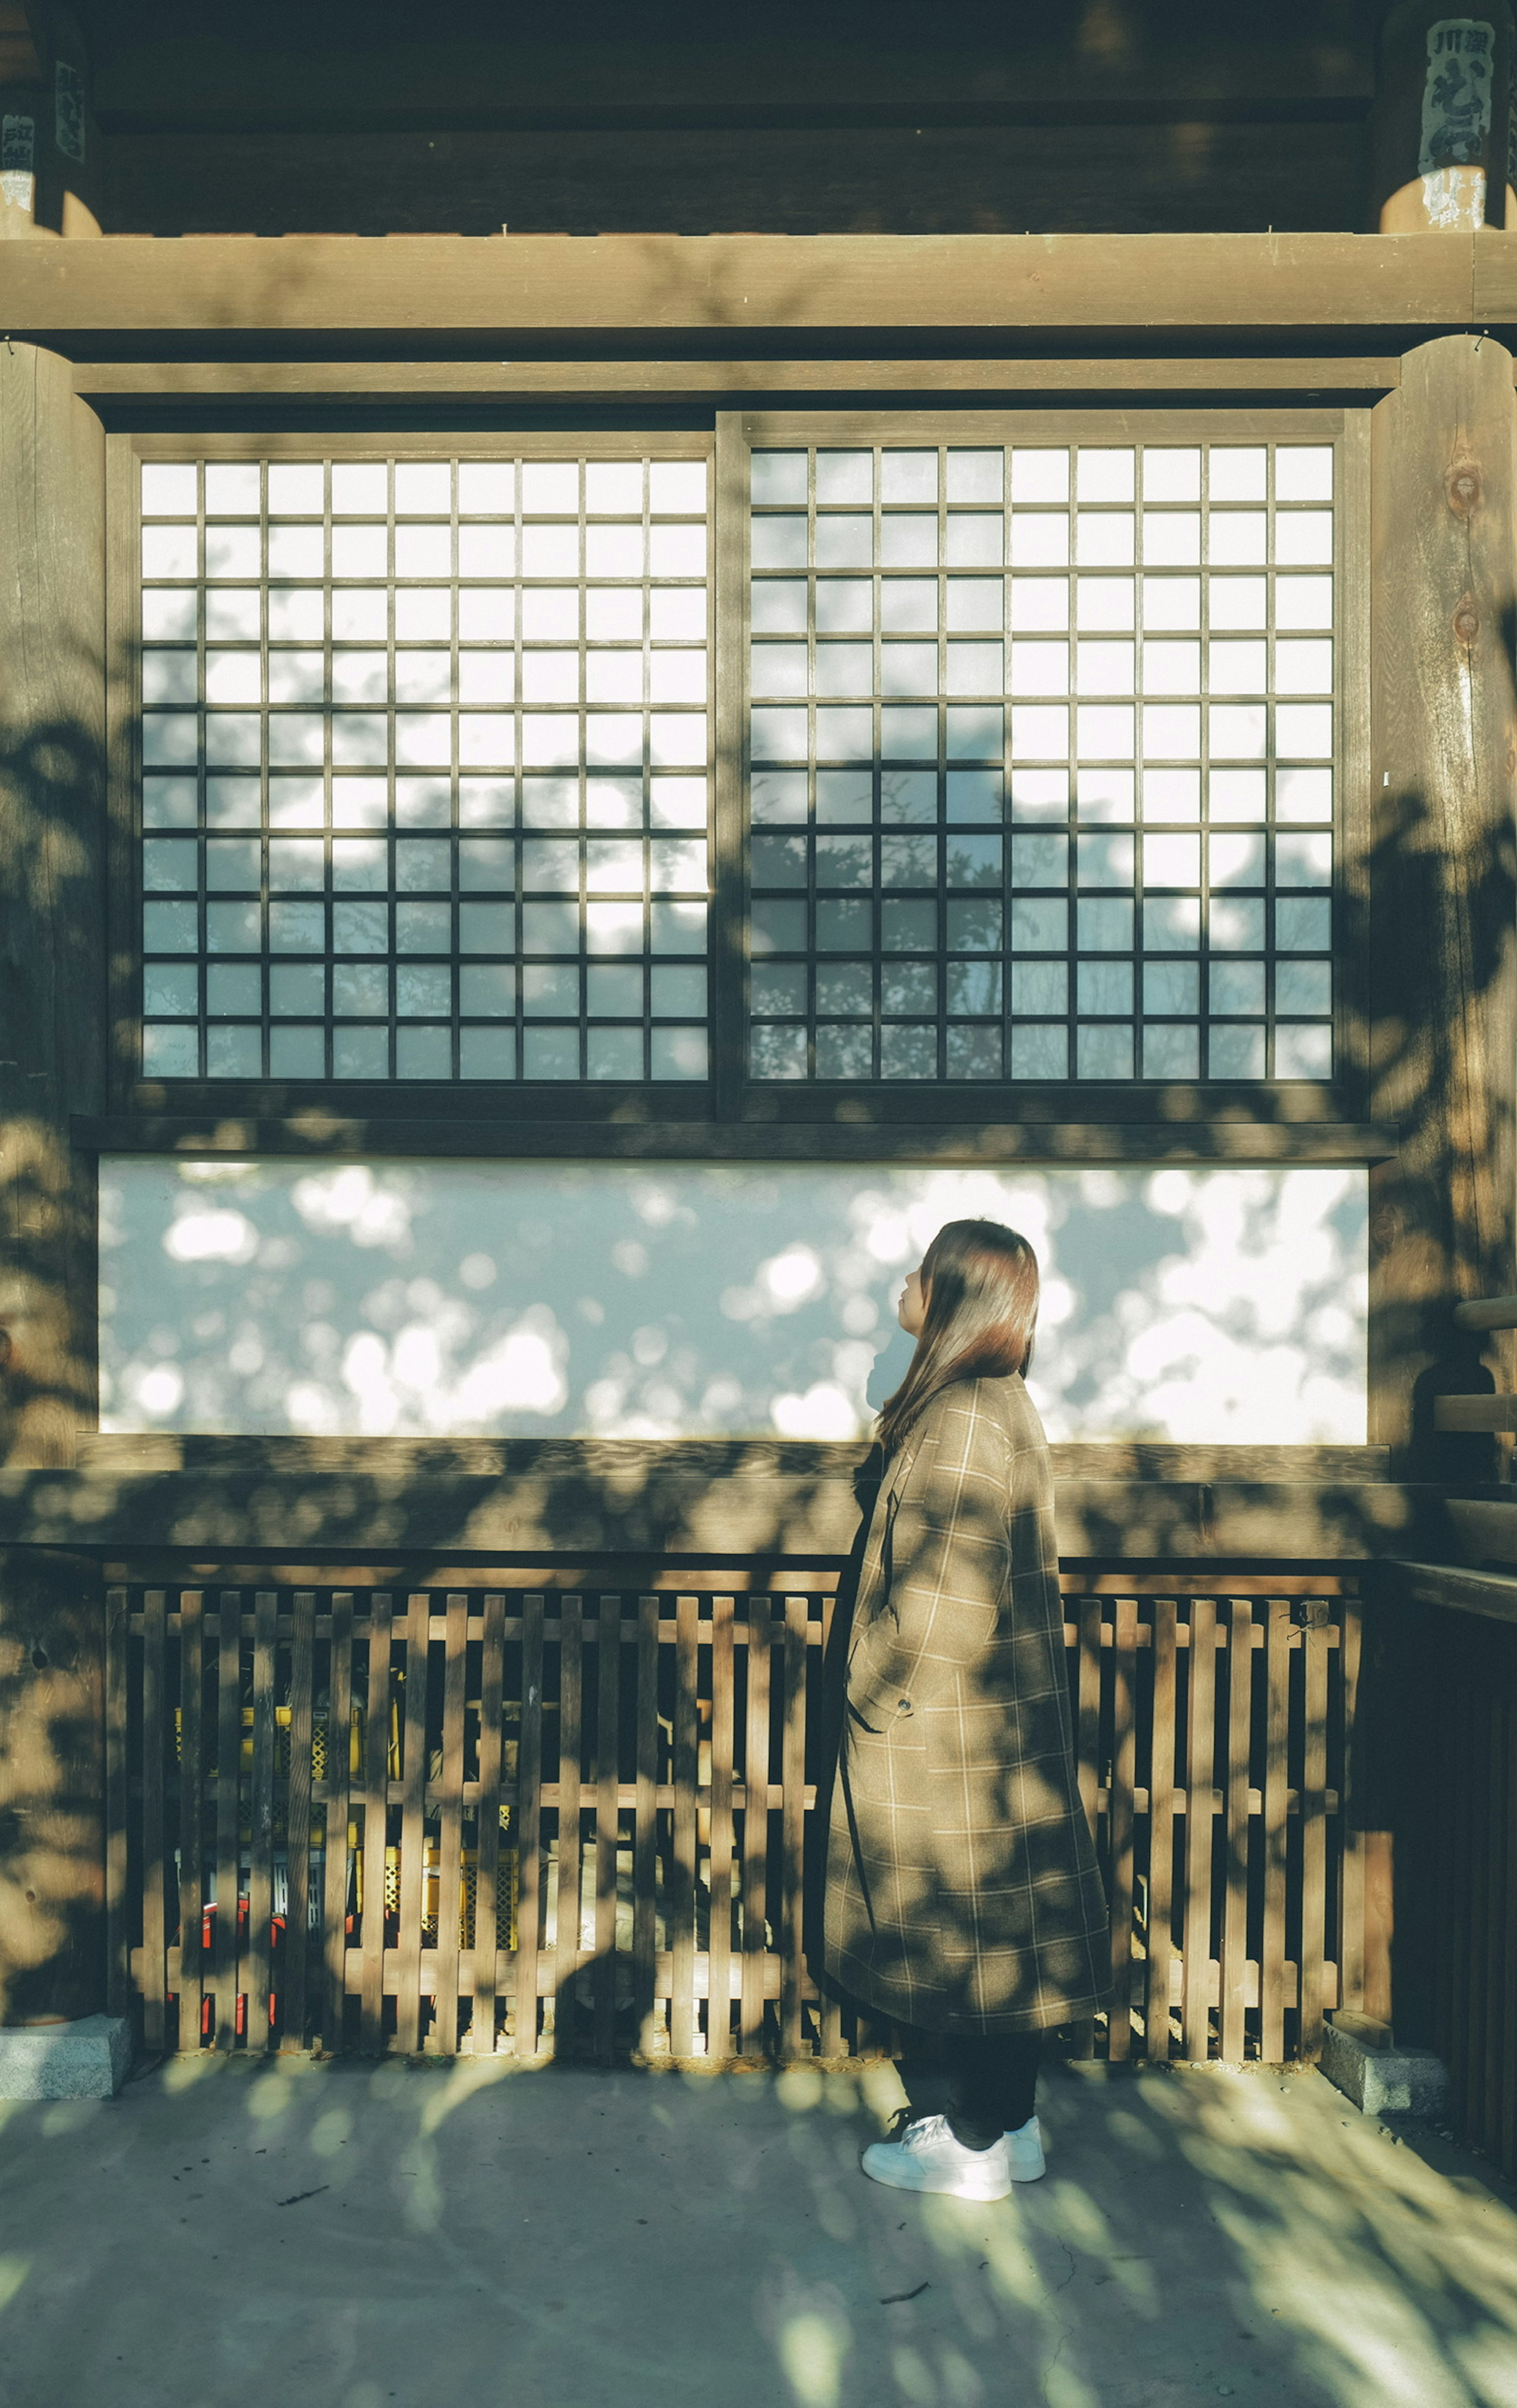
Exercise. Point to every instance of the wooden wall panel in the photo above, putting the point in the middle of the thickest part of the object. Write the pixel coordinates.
(1190, 178)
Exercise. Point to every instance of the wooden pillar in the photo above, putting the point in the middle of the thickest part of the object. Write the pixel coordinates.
(53, 1007)
(50, 144)
(53, 965)
(1440, 949)
(1440, 131)
(53, 1834)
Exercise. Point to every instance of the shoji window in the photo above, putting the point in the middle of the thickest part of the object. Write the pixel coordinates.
(425, 768)
(909, 754)
(1043, 740)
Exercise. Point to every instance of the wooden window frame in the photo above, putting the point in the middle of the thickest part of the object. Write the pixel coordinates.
(732, 1116)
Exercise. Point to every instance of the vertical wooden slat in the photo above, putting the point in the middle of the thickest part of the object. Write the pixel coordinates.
(450, 1802)
(294, 2010)
(793, 1829)
(228, 1776)
(1161, 1834)
(831, 2013)
(1275, 1782)
(339, 1707)
(261, 1818)
(191, 1814)
(1195, 2013)
(607, 1821)
(487, 1933)
(1473, 1850)
(375, 1817)
(1314, 1831)
(1351, 1946)
(719, 1948)
(566, 1951)
(645, 1828)
(1498, 2036)
(154, 1756)
(681, 1909)
(119, 1992)
(1506, 1914)
(1087, 1752)
(1237, 1826)
(529, 1910)
(413, 1768)
(1120, 1823)
(1450, 1854)
(755, 1856)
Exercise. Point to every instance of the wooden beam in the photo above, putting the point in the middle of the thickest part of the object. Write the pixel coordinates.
(594, 1500)
(325, 1131)
(1487, 1313)
(1440, 935)
(1485, 1413)
(719, 288)
(216, 80)
(988, 380)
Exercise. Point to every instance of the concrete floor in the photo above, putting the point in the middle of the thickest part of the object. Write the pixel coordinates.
(351, 2235)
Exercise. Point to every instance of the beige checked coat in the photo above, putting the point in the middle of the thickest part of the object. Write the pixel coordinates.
(962, 1886)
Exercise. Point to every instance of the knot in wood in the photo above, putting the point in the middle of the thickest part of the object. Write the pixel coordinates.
(1463, 487)
(1467, 620)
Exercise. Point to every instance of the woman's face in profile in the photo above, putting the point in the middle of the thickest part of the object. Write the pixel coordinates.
(911, 1306)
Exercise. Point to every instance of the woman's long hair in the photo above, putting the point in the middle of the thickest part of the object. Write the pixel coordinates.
(981, 1283)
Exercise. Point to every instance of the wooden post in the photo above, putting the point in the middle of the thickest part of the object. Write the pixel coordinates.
(1441, 951)
(52, 1846)
(52, 1003)
(51, 1012)
(1440, 146)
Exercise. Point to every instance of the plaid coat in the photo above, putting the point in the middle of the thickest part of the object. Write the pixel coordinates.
(962, 1887)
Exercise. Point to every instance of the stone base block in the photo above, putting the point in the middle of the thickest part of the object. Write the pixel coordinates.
(1384, 2081)
(87, 2060)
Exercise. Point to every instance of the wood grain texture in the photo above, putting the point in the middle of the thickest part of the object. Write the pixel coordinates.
(294, 2001)
(373, 1842)
(448, 1801)
(608, 1818)
(1441, 938)
(337, 1815)
(566, 1897)
(528, 1833)
(52, 646)
(727, 284)
(742, 383)
(192, 1814)
(260, 1823)
(225, 1954)
(1159, 1926)
(487, 1933)
(1296, 1125)
(413, 1770)
(1120, 1823)
(154, 1933)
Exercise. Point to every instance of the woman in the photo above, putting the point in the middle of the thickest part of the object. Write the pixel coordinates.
(963, 1897)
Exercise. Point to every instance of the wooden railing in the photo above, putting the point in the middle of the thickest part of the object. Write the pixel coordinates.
(578, 1824)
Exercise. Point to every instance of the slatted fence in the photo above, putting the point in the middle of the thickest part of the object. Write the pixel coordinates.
(1465, 1927)
(559, 1822)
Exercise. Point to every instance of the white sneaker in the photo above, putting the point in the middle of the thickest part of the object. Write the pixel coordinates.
(1025, 2152)
(928, 2157)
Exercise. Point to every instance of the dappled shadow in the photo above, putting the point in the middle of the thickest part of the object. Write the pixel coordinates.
(563, 2236)
(53, 1019)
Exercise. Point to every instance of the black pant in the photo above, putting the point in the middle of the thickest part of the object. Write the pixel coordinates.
(984, 2083)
